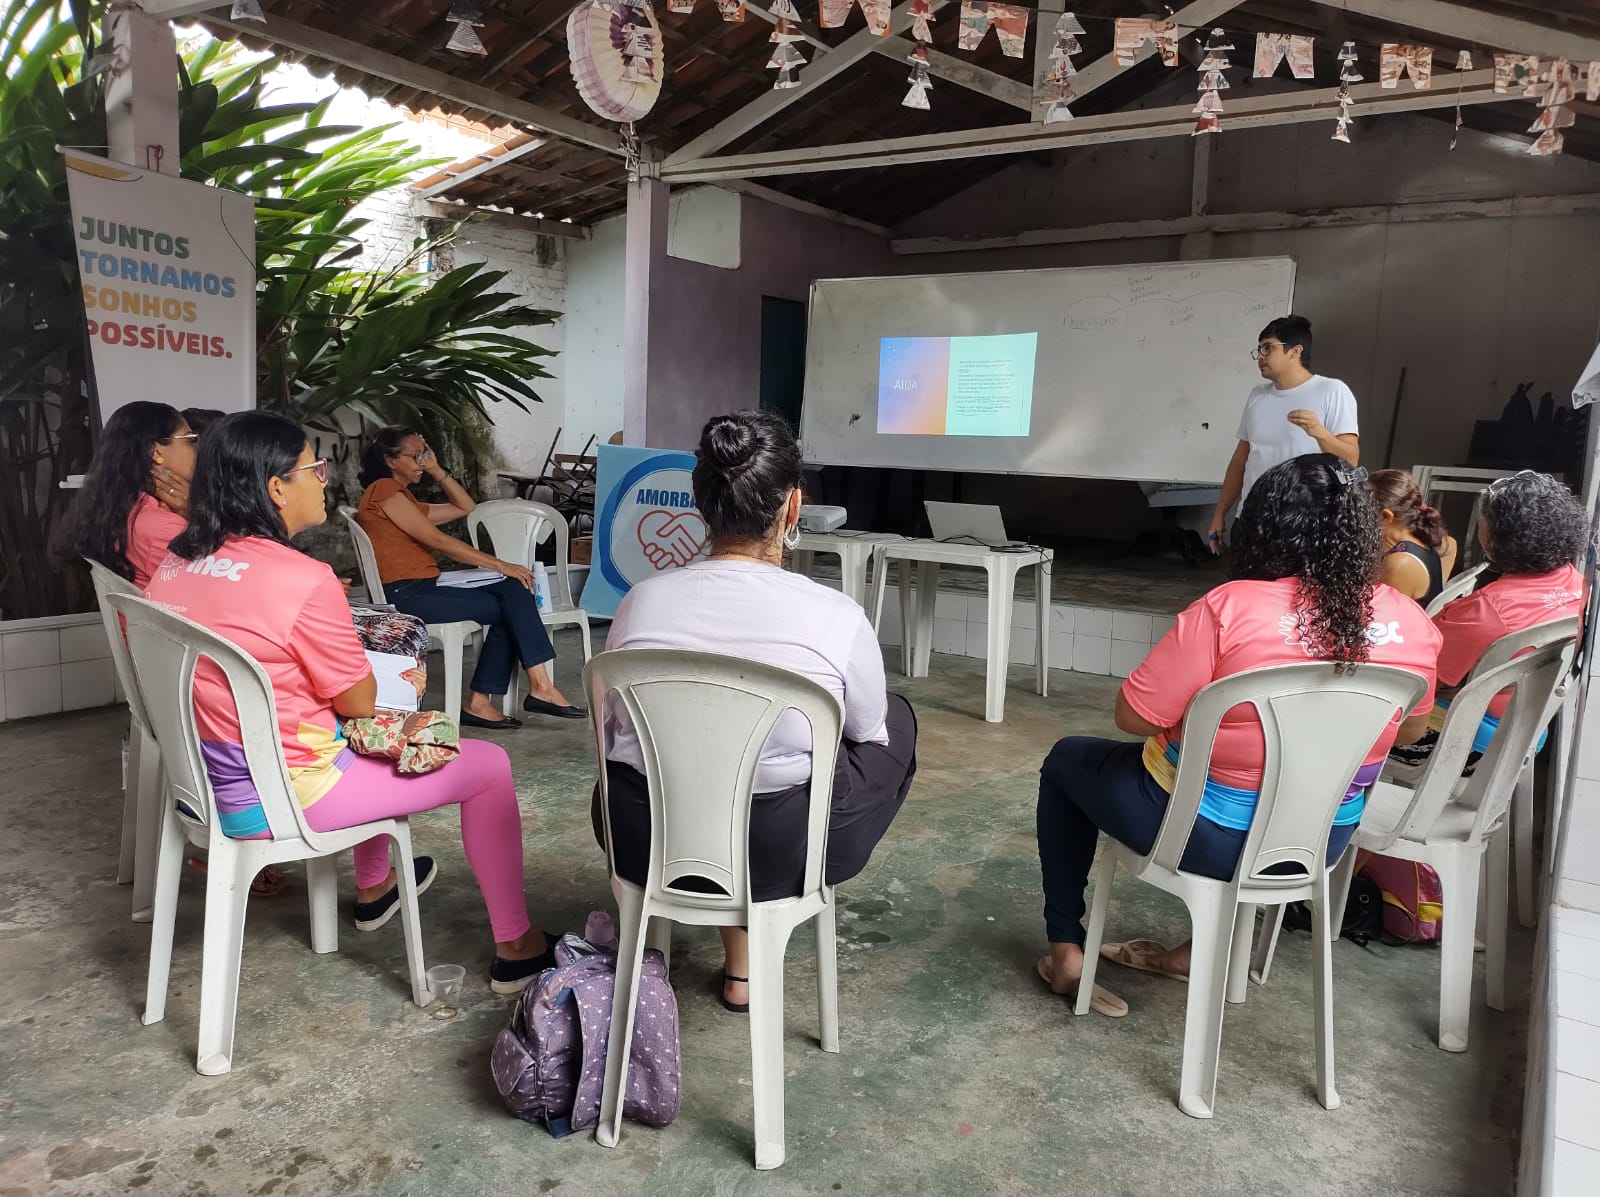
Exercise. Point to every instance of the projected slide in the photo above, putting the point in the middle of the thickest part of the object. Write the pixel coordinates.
(956, 386)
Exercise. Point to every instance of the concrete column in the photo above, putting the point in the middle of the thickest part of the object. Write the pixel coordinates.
(142, 97)
(646, 247)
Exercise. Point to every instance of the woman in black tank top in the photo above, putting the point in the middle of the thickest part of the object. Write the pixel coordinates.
(1420, 553)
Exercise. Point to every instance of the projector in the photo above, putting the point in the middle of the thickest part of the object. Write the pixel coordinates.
(816, 518)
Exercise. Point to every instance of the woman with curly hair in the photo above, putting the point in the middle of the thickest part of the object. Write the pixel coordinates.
(1419, 554)
(136, 496)
(1305, 566)
(1532, 529)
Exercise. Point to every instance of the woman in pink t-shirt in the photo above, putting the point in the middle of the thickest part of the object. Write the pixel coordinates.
(1306, 558)
(233, 570)
(1532, 529)
(136, 493)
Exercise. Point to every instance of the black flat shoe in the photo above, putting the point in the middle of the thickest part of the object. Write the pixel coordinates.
(374, 914)
(734, 1007)
(468, 719)
(539, 706)
(513, 976)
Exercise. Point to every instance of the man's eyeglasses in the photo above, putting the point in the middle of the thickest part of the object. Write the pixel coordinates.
(318, 467)
(1265, 349)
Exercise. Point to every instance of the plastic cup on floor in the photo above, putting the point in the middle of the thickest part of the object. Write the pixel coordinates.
(444, 984)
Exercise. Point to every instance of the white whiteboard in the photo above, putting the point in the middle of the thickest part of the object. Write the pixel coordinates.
(1140, 372)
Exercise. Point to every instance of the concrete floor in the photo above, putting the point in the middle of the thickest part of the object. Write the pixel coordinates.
(960, 1074)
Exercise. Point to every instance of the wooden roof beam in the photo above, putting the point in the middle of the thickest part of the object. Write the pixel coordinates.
(1471, 24)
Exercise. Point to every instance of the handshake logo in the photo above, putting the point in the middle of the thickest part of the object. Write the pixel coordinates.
(671, 539)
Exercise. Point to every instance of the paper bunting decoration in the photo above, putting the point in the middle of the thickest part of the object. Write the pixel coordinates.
(1212, 83)
(831, 14)
(1591, 83)
(1273, 48)
(1349, 73)
(785, 32)
(1559, 90)
(248, 10)
(731, 10)
(1515, 73)
(917, 97)
(920, 12)
(1463, 64)
(615, 51)
(1010, 22)
(1397, 58)
(1055, 88)
(1464, 60)
(1129, 34)
(466, 17)
(680, 5)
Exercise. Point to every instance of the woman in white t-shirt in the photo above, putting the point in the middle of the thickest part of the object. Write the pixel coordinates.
(1293, 413)
(741, 601)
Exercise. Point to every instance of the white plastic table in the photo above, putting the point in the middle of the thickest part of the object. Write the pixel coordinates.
(854, 550)
(1001, 568)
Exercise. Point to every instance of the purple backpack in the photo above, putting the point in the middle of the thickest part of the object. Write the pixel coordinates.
(549, 1061)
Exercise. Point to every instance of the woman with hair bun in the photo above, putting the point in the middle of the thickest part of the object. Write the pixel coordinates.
(1419, 554)
(741, 601)
(1305, 565)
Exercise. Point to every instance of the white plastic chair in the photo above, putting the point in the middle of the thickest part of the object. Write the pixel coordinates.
(1319, 725)
(143, 784)
(165, 650)
(517, 527)
(702, 719)
(1458, 825)
(1464, 582)
(449, 638)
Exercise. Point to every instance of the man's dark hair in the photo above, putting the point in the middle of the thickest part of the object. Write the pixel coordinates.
(1292, 331)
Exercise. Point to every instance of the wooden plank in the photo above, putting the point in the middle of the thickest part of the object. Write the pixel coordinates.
(1294, 107)
(1475, 26)
(332, 48)
(784, 200)
(440, 210)
(485, 163)
(1257, 222)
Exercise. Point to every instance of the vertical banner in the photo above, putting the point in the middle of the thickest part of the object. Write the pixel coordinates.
(169, 286)
(646, 521)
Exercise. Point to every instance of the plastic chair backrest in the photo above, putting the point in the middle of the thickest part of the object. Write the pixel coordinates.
(1532, 678)
(1465, 582)
(517, 527)
(107, 584)
(165, 648)
(702, 720)
(1319, 726)
(366, 558)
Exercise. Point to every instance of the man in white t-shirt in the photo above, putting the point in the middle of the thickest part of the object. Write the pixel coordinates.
(1293, 413)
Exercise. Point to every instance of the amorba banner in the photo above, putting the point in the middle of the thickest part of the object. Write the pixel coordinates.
(169, 289)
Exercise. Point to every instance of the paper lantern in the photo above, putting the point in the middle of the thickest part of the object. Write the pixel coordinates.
(616, 58)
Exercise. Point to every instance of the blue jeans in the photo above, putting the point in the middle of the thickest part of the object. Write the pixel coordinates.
(507, 608)
(1087, 786)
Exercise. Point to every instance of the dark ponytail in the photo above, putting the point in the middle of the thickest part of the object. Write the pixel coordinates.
(746, 465)
(1397, 491)
(385, 443)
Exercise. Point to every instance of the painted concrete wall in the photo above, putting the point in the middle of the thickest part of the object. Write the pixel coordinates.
(1468, 308)
(705, 332)
(592, 358)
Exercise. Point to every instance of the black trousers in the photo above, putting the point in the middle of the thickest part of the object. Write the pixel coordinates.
(870, 782)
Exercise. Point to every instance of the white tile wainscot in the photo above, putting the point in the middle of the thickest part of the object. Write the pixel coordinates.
(60, 663)
(1084, 639)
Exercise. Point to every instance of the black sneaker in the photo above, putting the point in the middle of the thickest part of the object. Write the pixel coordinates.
(513, 976)
(374, 914)
(1415, 755)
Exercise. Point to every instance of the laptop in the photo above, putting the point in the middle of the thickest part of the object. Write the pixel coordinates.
(969, 523)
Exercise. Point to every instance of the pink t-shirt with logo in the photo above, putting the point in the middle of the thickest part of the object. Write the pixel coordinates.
(289, 612)
(1509, 604)
(151, 528)
(1249, 625)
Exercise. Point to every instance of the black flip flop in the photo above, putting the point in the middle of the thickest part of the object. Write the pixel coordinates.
(468, 719)
(539, 706)
(734, 1007)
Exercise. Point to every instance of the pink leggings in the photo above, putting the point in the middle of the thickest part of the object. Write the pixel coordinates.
(479, 780)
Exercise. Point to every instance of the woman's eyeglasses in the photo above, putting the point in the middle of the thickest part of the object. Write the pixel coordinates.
(180, 436)
(318, 467)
